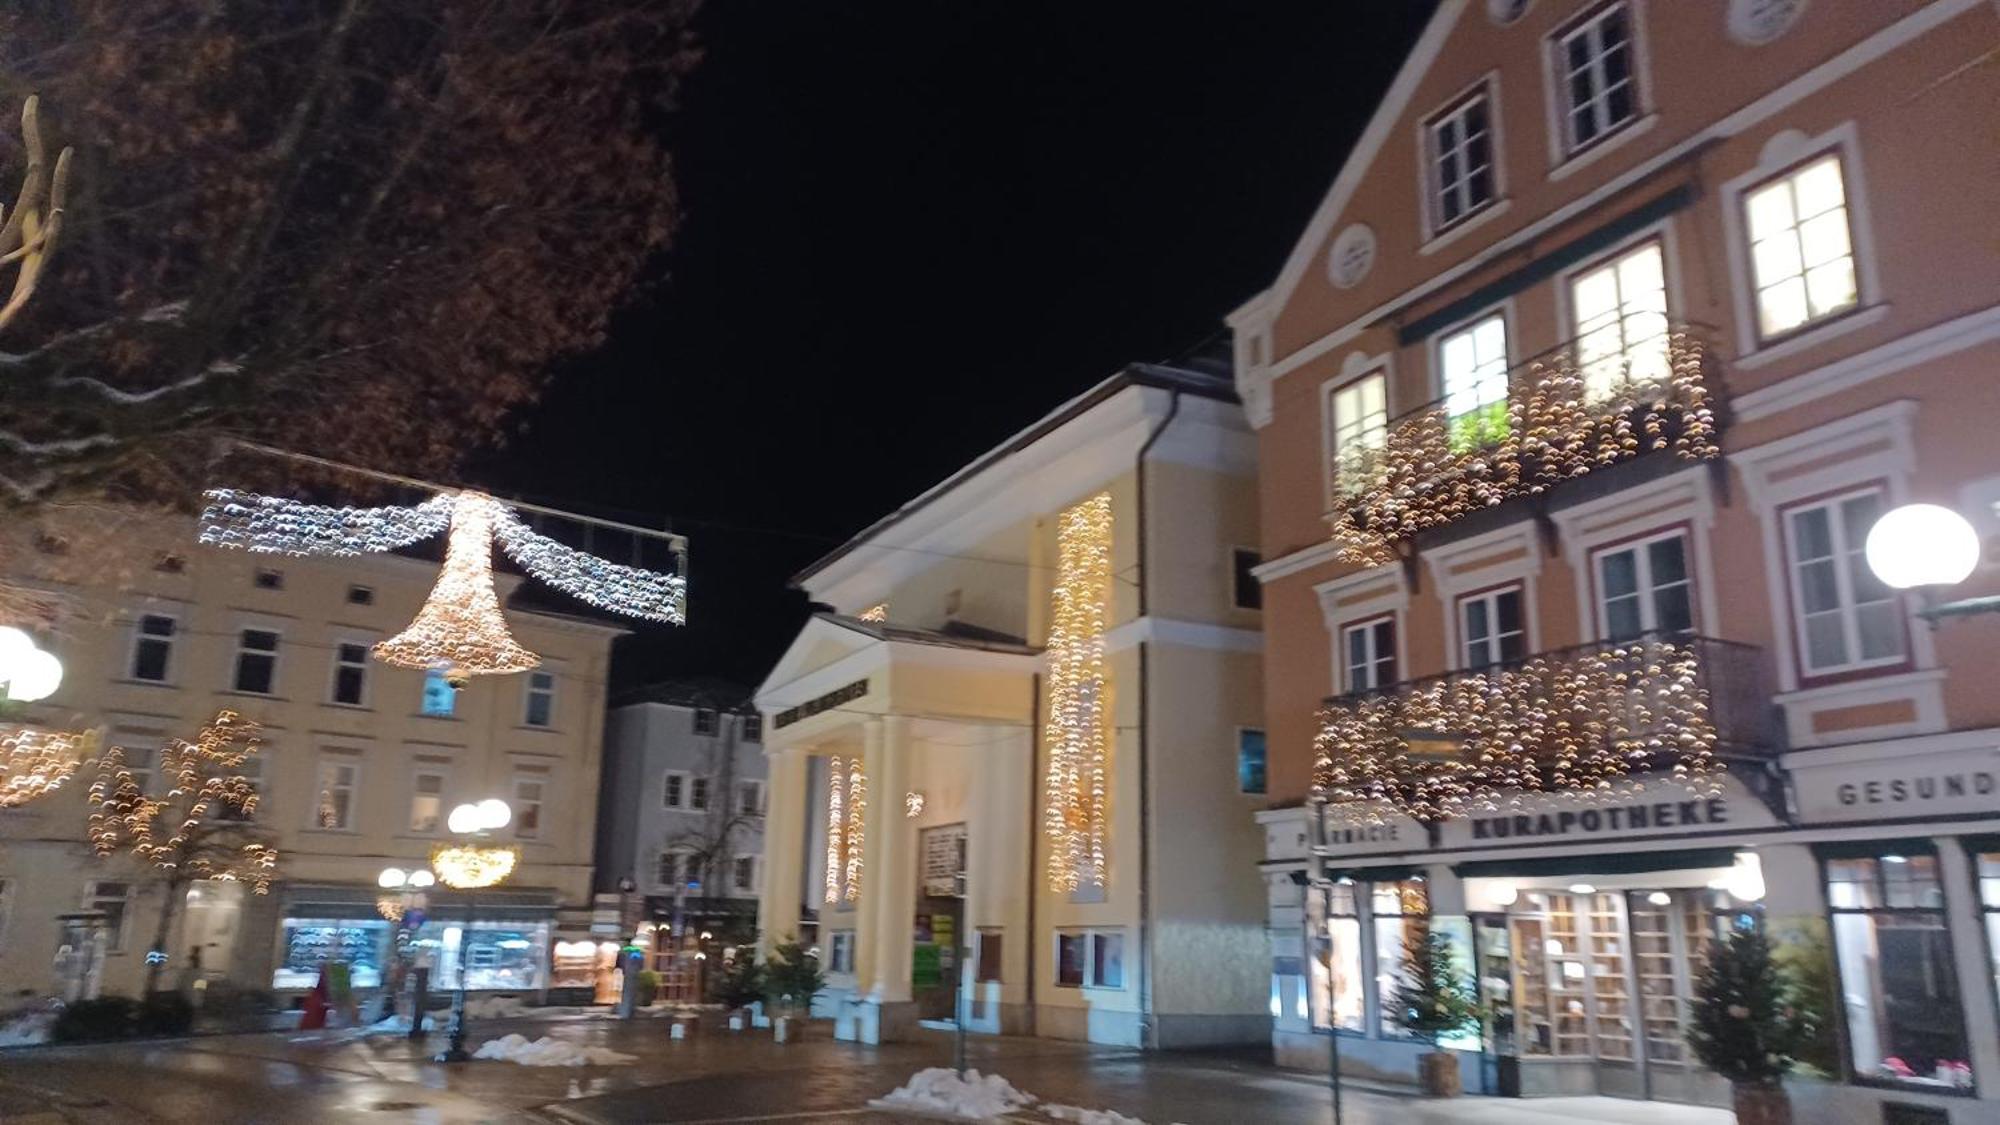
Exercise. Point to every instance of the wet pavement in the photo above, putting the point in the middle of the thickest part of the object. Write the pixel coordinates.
(716, 1077)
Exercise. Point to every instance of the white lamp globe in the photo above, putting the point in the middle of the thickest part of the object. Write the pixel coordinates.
(1922, 545)
(422, 878)
(15, 645)
(391, 878)
(37, 675)
(464, 819)
(494, 813)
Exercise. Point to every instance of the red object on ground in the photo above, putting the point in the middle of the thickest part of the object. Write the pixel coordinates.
(315, 1013)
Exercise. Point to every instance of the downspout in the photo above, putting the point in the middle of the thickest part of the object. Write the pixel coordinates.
(1034, 839)
(1149, 1027)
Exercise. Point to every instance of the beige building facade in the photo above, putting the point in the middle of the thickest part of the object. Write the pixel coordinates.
(360, 762)
(1620, 326)
(1048, 655)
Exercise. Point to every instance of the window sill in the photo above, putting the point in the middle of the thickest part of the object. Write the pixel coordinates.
(133, 682)
(339, 706)
(271, 696)
(439, 718)
(1806, 338)
(1445, 238)
(536, 729)
(317, 831)
(1589, 155)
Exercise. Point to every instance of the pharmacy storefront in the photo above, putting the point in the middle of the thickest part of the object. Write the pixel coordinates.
(1585, 931)
(505, 943)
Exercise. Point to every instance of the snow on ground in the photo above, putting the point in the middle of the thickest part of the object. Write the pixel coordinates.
(493, 1007)
(27, 1029)
(975, 1097)
(1089, 1116)
(548, 1052)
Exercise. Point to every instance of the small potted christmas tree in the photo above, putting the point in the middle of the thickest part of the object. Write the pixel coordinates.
(792, 977)
(1743, 1029)
(1432, 999)
(739, 985)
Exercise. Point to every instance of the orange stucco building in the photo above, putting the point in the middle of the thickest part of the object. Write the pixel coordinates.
(1619, 328)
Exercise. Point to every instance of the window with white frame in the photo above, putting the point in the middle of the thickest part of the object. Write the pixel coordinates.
(1368, 654)
(1621, 321)
(350, 673)
(528, 796)
(697, 793)
(1400, 911)
(743, 874)
(153, 648)
(753, 728)
(1461, 160)
(673, 790)
(1846, 617)
(1090, 958)
(675, 869)
(704, 720)
(114, 901)
(842, 958)
(1359, 414)
(1491, 628)
(1644, 587)
(1472, 365)
(1898, 978)
(750, 798)
(1801, 247)
(426, 801)
(256, 661)
(540, 700)
(337, 782)
(1600, 94)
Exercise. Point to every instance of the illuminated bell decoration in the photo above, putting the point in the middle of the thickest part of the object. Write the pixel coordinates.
(469, 867)
(35, 762)
(460, 629)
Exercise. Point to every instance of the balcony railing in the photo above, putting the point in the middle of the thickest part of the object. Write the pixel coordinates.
(1564, 416)
(1597, 722)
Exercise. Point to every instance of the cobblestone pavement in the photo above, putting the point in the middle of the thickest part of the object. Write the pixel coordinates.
(711, 1079)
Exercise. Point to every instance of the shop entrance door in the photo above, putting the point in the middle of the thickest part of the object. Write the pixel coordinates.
(1671, 933)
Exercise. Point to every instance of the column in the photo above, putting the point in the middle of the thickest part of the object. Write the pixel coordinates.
(784, 847)
(892, 877)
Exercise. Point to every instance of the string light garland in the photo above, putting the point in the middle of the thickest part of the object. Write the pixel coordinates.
(470, 867)
(1075, 803)
(857, 816)
(272, 525)
(202, 825)
(836, 827)
(36, 762)
(1591, 725)
(630, 590)
(1425, 474)
(460, 628)
(878, 613)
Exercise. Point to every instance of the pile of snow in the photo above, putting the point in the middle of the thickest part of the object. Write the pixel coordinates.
(27, 1029)
(975, 1097)
(493, 1007)
(1089, 1116)
(548, 1052)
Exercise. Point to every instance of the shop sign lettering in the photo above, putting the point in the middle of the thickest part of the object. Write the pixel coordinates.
(1642, 817)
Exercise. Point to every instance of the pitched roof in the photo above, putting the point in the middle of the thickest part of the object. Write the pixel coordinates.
(953, 635)
(706, 692)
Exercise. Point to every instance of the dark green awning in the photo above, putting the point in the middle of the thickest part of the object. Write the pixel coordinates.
(1616, 863)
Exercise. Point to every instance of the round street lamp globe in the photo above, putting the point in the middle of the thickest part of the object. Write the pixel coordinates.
(494, 813)
(1922, 545)
(421, 878)
(15, 645)
(464, 820)
(36, 675)
(391, 878)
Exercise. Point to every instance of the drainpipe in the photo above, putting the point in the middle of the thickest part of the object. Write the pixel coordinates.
(1034, 841)
(1149, 1027)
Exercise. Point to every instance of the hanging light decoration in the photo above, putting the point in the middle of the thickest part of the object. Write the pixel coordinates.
(460, 629)
(1075, 818)
(36, 762)
(857, 815)
(836, 828)
(469, 867)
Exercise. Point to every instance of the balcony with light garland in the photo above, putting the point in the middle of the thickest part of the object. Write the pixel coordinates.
(1594, 722)
(1580, 408)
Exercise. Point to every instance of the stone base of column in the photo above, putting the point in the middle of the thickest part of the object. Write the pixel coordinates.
(876, 1021)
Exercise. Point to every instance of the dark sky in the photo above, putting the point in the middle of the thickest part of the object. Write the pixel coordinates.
(911, 229)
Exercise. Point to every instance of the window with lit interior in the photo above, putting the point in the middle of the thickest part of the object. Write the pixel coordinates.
(1801, 247)
(1473, 366)
(1359, 417)
(1621, 322)
(1892, 947)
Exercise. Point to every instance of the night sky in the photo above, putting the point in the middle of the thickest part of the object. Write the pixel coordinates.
(913, 228)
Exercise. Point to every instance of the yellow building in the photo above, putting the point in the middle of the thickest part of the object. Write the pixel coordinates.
(361, 762)
(1026, 728)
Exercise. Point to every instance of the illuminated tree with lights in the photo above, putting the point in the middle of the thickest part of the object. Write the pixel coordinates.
(199, 826)
(363, 228)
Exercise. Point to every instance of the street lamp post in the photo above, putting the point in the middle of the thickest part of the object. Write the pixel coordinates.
(469, 866)
(408, 889)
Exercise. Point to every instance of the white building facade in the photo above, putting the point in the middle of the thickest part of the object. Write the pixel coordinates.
(359, 765)
(1019, 753)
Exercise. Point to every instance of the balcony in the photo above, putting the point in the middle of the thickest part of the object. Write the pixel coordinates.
(1572, 411)
(1595, 722)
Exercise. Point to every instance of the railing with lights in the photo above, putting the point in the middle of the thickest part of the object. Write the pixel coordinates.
(1568, 412)
(1594, 722)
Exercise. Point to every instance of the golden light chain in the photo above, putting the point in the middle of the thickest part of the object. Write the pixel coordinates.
(836, 828)
(203, 783)
(1076, 806)
(36, 762)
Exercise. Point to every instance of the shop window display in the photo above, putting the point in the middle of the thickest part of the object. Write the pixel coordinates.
(311, 942)
(506, 956)
(1338, 990)
(1399, 910)
(1904, 1021)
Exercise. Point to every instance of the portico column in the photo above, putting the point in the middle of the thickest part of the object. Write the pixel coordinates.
(893, 876)
(784, 848)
